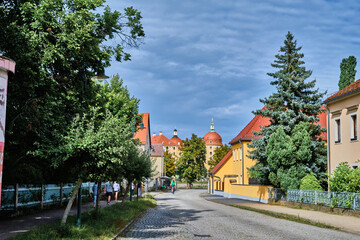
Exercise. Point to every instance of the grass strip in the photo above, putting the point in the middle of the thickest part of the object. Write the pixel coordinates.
(284, 216)
(104, 225)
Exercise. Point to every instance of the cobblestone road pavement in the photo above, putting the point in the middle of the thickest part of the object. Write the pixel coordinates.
(185, 215)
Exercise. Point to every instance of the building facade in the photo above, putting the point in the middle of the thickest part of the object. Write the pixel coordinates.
(343, 111)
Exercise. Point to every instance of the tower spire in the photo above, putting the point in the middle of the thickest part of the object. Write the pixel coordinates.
(212, 127)
(175, 133)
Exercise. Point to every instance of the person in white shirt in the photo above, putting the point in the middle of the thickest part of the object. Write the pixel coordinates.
(116, 188)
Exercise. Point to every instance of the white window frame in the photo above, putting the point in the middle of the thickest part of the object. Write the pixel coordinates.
(354, 131)
(337, 130)
(240, 153)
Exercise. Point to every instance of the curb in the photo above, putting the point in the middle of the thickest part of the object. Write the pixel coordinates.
(127, 226)
(279, 215)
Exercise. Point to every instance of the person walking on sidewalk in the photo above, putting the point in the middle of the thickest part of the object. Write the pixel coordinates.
(116, 188)
(95, 191)
(173, 186)
(108, 191)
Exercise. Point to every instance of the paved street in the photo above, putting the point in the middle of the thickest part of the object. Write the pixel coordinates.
(185, 215)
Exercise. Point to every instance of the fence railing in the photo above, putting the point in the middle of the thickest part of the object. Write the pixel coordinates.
(276, 194)
(25, 196)
(331, 199)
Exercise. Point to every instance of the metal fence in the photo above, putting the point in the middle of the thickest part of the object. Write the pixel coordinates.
(331, 199)
(26, 196)
(276, 194)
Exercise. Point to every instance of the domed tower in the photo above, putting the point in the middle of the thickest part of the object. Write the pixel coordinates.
(176, 144)
(212, 141)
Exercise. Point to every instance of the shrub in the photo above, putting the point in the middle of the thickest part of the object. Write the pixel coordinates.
(345, 179)
(310, 182)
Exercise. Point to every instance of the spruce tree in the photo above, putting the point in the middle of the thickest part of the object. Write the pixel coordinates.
(347, 75)
(295, 100)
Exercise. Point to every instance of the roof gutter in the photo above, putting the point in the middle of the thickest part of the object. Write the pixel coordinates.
(342, 95)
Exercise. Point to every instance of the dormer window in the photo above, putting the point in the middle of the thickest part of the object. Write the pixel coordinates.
(210, 141)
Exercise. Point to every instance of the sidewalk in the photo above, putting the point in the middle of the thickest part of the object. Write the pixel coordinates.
(344, 223)
(13, 226)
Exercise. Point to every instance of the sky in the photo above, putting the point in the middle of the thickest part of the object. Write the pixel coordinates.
(209, 59)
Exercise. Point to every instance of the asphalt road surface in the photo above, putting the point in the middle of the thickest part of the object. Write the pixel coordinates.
(185, 215)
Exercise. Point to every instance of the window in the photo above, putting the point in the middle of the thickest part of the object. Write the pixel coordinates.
(353, 127)
(240, 153)
(354, 165)
(337, 130)
(210, 153)
(210, 141)
(210, 148)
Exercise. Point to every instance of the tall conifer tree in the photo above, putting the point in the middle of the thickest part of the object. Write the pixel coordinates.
(347, 74)
(295, 100)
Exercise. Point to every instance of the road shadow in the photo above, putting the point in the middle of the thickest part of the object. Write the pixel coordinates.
(163, 221)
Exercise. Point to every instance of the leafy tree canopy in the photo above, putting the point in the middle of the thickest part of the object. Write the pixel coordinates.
(345, 179)
(169, 164)
(192, 159)
(219, 154)
(58, 45)
(347, 74)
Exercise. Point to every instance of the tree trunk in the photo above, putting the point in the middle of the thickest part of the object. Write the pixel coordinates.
(71, 201)
(98, 198)
(125, 193)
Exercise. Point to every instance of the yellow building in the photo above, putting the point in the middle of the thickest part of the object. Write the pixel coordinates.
(212, 141)
(231, 178)
(343, 110)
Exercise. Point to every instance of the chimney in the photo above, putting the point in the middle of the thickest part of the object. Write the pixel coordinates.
(160, 133)
(154, 134)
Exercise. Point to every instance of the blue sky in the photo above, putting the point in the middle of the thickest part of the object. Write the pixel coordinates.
(209, 59)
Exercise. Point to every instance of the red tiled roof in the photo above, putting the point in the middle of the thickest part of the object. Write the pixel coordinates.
(258, 121)
(214, 137)
(222, 162)
(142, 134)
(176, 141)
(254, 125)
(353, 87)
(161, 139)
(157, 150)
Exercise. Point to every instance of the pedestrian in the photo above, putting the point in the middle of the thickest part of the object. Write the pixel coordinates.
(95, 191)
(108, 190)
(132, 187)
(116, 188)
(173, 186)
(139, 189)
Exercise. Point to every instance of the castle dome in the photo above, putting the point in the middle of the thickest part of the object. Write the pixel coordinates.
(212, 137)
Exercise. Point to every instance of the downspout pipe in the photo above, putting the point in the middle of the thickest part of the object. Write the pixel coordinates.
(328, 144)
(242, 159)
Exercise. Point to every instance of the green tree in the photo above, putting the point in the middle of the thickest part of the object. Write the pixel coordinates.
(169, 164)
(295, 100)
(219, 154)
(192, 159)
(288, 157)
(63, 43)
(345, 179)
(310, 182)
(347, 74)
